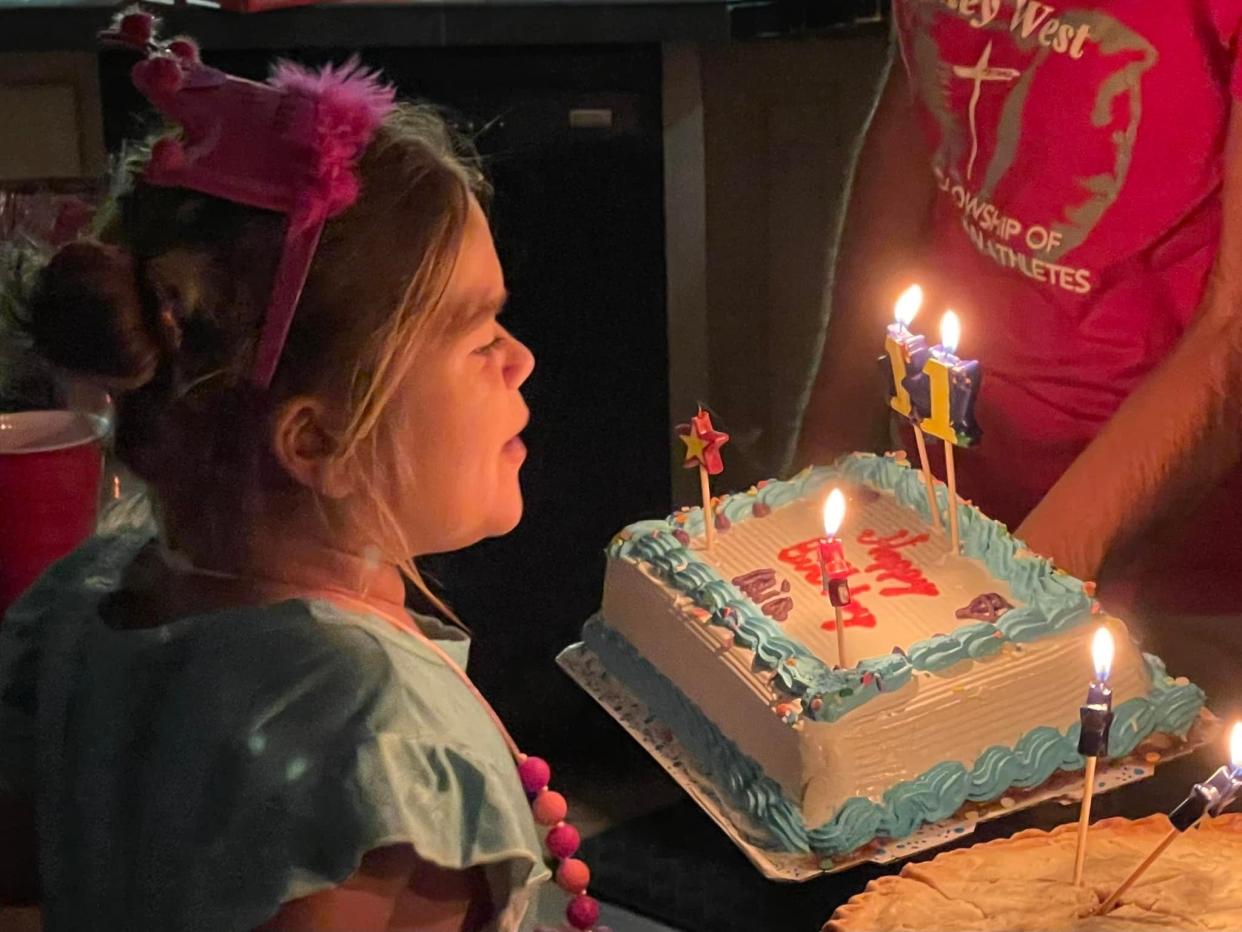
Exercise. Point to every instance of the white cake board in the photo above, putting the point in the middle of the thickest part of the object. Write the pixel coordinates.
(757, 844)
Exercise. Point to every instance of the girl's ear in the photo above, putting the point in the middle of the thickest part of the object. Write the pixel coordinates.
(307, 448)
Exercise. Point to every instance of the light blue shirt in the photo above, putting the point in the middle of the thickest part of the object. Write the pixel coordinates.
(198, 774)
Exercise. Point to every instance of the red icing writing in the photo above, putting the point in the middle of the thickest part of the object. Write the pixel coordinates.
(804, 558)
(853, 615)
(888, 563)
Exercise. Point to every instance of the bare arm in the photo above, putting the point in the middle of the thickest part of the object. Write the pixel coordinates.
(393, 889)
(886, 222)
(1175, 437)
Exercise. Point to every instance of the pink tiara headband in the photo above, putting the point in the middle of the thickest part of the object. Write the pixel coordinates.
(288, 145)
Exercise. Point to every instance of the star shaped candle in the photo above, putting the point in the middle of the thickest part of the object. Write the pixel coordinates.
(695, 445)
(703, 443)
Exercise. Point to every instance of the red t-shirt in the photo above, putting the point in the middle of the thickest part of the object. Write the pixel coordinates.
(1077, 148)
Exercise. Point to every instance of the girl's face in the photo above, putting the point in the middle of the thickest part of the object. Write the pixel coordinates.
(458, 413)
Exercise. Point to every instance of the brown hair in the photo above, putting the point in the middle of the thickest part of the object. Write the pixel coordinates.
(167, 314)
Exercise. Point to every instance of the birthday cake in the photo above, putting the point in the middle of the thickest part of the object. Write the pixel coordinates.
(962, 679)
(1023, 882)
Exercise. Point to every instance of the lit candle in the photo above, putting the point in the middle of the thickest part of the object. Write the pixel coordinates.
(903, 347)
(906, 354)
(1214, 795)
(1096, 718)
(1210, 798)
(834, 570)
(1097, 715)
(943, 393)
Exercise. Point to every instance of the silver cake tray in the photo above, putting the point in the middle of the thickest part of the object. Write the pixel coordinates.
(758, 845)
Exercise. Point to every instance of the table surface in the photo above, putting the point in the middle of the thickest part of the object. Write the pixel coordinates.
(677, 867)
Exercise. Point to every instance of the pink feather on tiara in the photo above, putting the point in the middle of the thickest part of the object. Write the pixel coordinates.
(350, 104)
(289, 145)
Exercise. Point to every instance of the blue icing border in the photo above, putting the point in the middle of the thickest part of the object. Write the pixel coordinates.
(1053, 601)
(933, 795)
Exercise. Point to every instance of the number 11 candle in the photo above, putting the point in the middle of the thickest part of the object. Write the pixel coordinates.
(944, 391)
(943, 397)
(905, 353)
(903, 348)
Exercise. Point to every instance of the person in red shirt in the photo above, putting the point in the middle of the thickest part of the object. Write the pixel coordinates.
(1068, 177)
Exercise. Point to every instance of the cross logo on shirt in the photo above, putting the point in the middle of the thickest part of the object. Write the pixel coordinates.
(981, 72)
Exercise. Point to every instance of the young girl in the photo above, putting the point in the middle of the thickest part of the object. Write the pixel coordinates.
(235, 723)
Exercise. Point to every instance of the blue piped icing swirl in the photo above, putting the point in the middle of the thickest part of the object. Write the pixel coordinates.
(1052, 601)
(933, 795)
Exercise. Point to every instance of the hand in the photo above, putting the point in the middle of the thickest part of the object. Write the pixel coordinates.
(1063, 538)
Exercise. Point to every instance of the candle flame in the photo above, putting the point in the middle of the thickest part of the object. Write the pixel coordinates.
(950, 331)
(1102, 654)
(1235, 746)
(834, 513)
(908, 305)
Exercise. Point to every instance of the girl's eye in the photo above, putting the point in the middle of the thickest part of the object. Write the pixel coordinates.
(491, 347)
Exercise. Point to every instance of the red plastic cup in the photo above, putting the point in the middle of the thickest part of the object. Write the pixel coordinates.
(51, 465)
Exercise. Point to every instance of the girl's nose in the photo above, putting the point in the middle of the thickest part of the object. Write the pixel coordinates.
(520, 364)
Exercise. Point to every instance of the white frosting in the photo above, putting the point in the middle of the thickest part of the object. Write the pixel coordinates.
(951, 715)
(755, 544)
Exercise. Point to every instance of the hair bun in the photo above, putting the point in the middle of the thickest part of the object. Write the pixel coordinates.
(86, 315)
